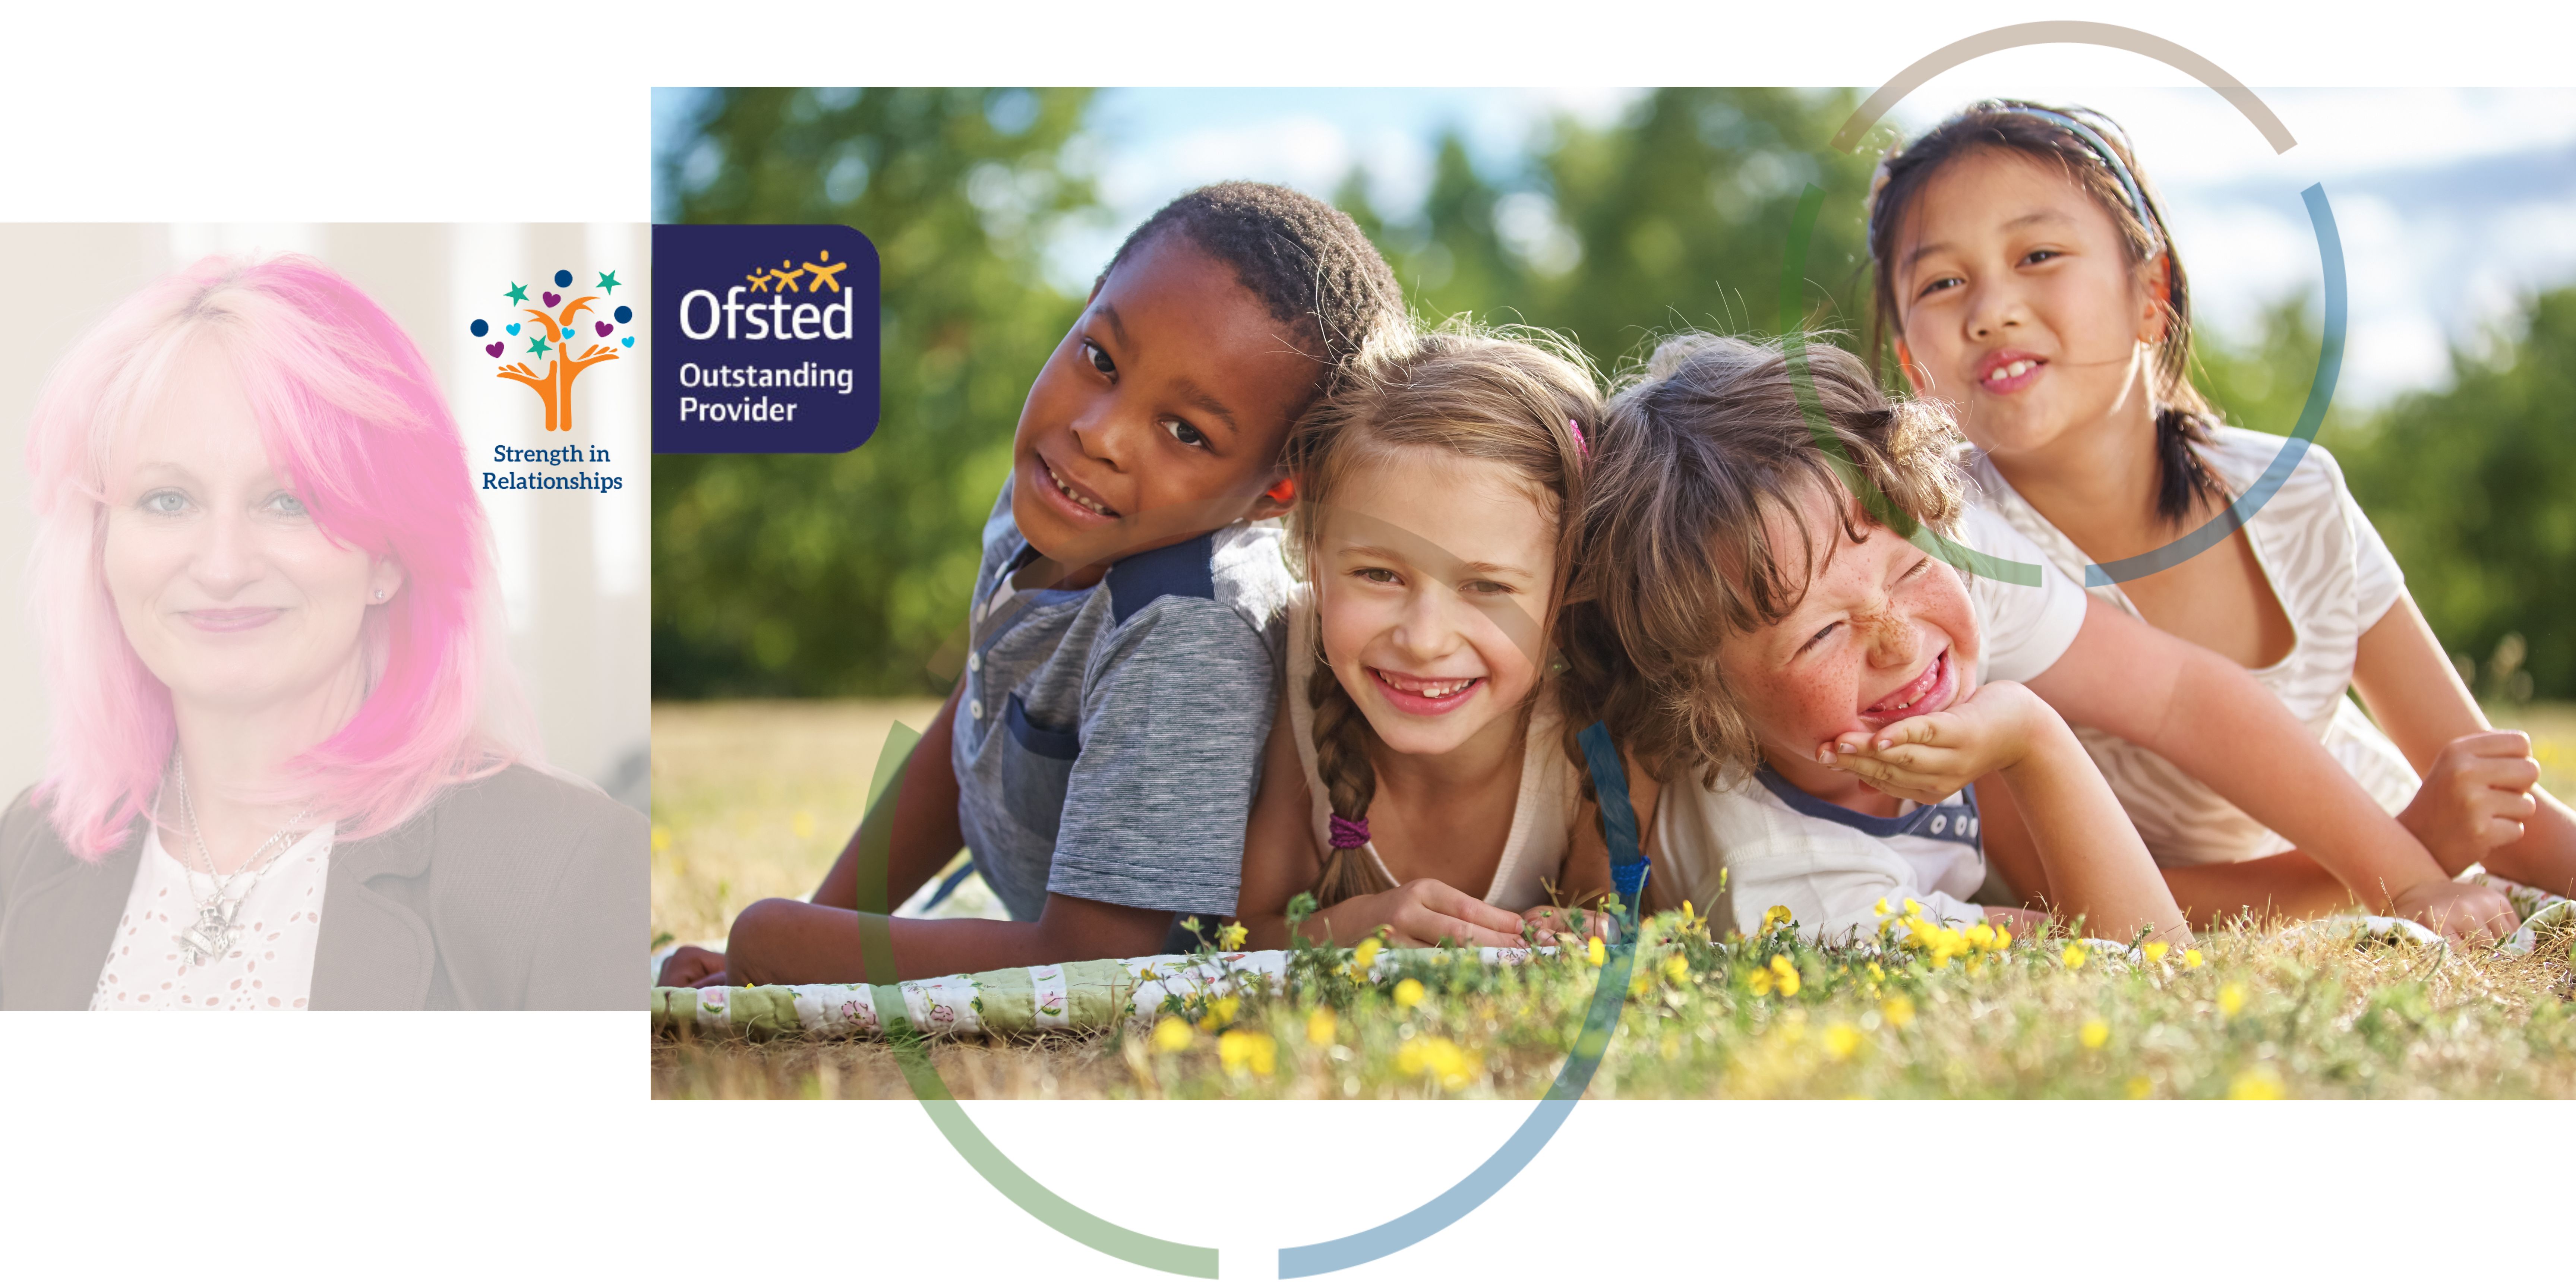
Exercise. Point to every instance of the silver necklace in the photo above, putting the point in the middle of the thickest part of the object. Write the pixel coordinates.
(218, 914)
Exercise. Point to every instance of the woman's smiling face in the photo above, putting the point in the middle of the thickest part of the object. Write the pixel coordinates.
(1884, 632)
(1431, 579)
(228, 590)
(2022, 309)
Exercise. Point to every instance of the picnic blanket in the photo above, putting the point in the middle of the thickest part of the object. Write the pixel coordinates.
(1071, 997)
(1089, 996)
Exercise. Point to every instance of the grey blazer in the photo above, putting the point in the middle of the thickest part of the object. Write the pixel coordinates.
(515, 892)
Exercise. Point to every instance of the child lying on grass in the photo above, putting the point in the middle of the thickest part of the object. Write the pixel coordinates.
(1099, 754)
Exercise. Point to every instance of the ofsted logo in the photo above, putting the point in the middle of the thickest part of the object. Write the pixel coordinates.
(776, 359)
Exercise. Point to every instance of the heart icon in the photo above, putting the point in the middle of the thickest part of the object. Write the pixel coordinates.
(603, 328)
(493, 348)
(553, 299)
(567, 333)
(629, 342)
(514, 328)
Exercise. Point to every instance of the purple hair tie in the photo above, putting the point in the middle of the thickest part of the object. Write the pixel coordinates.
(1581, 448)
(1349, 834)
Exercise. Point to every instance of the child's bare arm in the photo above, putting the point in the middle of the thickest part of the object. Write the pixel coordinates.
(789, 941)
(2217, 723)
(922, 828)
(2093, 861)
(2481, 799)
(2096, 866)
(1279, 858)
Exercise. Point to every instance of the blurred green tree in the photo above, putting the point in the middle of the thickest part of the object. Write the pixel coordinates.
(2473, 484)
(1675, 215)
(841, 574)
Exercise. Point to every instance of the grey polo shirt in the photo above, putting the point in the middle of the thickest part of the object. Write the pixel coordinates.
(1111, 739)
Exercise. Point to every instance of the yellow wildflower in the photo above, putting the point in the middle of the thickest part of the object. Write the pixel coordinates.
(1231, 936)
(1171, 1034)
(1638, 983)
(1365, 955)
(1220, 1012)
(1408, 993)
(1899, 1011)
(1760, 981)
(1913, 909)
(1876, 975)
(2141, 1086)
(2073, 956)
(1980, 936)
(2191, 959)
(1320, 1029)
(1677, 969)
(2231, 999)
(1593, 952)
(1786, 976)
(1841, 1040)
(1239, 1049)
(1880, 907)
(1438, 1057)
(2093, 1034)
(661, 838)
(1777, 914)
(2003, 939)
(2155, 950)
(2257, 1083)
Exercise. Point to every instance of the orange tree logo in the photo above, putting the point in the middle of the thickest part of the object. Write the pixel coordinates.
(545, 362)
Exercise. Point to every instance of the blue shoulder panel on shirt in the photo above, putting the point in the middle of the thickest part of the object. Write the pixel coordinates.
(1183, 569)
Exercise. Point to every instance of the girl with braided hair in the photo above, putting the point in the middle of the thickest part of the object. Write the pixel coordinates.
(1418, 779)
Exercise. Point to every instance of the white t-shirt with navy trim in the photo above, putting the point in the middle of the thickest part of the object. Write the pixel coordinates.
(1746, 846)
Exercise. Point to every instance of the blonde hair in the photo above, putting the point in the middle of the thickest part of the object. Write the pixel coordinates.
(1697, 452)
(1499, 395)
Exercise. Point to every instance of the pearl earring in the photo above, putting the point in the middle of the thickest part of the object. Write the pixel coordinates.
(380, 596)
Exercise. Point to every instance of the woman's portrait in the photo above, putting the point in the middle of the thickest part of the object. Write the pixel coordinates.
(289, 764)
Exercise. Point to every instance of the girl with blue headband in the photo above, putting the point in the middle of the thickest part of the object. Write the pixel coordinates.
(2027, 279)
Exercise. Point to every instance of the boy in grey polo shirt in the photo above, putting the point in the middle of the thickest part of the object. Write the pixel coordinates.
(1099, 755)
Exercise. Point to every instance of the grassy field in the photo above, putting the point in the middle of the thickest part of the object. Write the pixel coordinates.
(752, 800)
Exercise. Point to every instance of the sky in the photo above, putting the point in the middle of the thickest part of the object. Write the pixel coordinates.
(2451, 204)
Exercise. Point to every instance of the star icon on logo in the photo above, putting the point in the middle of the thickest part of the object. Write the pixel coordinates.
(518, 294)
(608, 283)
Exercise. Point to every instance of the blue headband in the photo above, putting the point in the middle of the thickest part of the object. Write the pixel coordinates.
(2101, 148)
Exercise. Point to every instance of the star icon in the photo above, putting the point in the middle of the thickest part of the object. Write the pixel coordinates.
(537, 345)
(608, 283)
(518, 294)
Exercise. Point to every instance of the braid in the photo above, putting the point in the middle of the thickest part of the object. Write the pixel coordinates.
(1350, 783)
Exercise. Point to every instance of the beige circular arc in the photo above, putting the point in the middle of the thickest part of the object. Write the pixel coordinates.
(2104, 34)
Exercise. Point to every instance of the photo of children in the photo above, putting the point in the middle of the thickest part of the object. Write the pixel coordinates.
(1405, 490)
(279, 746)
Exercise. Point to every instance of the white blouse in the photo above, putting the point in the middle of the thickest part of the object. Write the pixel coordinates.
(2334, 579)
(270, 967)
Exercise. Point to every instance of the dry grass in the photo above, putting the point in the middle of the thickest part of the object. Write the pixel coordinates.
(753, 799)
(2261, 1016)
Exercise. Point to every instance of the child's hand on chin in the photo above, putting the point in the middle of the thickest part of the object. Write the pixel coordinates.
(1928, 758)
(1422, 912)
(692, 967)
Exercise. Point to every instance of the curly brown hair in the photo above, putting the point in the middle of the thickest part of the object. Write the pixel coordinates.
(1696, 453)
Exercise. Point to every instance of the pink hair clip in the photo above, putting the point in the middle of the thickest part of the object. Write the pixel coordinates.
(1581, 448)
